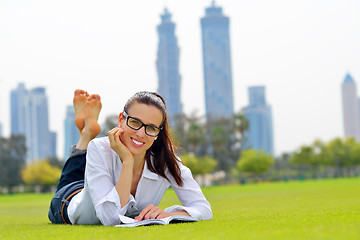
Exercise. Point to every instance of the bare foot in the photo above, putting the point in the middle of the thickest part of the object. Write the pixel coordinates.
(87, 110)
(92, 111)
(79, 100)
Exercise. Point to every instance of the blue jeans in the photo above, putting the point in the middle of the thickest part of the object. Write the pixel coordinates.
(71, 182)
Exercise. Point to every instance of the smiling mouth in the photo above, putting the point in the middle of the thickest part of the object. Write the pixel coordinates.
(137, 143)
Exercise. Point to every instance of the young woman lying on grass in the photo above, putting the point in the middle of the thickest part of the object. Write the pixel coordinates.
(127, 172)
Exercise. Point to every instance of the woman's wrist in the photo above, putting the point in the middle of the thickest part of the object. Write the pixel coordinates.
(127, 160)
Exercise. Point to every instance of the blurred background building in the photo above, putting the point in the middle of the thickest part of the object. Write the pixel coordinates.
(167, 66)
(29, 117)
(217, 64)
(351, 111)
(71, 132)
(259, 115)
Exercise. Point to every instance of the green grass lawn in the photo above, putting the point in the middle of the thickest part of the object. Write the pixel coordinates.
(326, 209)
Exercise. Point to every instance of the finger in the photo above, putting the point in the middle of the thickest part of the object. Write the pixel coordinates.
(153, 213)
(143, 212)
(113, 138)
(112, 130)
(111, 133)
(150, 213)
(117, 135)
(156, 213)
(115, 130)
(162, 215)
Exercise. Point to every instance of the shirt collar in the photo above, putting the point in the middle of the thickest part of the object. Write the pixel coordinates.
(148, 174)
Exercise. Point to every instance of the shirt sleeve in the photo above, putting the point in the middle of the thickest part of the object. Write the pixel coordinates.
(191, 197)
(101, 185)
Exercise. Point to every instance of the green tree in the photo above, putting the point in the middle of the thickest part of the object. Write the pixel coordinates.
(195, 137)
(241, 124)
(255, 162)
(313, 156)
(321, 155)
(178, 131)
(303, 156)
(56, 162)
(223, 143)
(189, 134)
(338, 155)
(217, 138)
(353, 149)
(199, 165)
(282, 168)
(12, 159)
(40, 172)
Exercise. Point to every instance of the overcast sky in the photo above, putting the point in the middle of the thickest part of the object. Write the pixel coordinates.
(300, 50)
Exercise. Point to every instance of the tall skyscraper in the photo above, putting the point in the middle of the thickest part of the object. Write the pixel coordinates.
(217, 64)
(167, 65)
(259, 136)
(29, 117)
(18, 98)
(350, 108)
(71, 131)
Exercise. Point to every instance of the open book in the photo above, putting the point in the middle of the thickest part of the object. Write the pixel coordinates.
(130, 222)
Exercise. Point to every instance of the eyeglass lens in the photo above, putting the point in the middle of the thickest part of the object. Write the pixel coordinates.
(137, 124)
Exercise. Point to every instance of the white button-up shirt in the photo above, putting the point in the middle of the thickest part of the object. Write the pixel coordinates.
(99, 201)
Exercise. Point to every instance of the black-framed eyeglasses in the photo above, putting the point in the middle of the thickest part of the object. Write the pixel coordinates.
(136, 124)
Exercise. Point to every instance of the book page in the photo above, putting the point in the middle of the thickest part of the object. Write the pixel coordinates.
(130, 222)
(125, 219)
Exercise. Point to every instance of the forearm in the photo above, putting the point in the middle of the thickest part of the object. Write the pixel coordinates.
(123, 185)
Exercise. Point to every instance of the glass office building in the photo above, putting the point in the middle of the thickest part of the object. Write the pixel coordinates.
(217, 64)
(167, 65)
(350, 104)
(29, 117)
(259, 136)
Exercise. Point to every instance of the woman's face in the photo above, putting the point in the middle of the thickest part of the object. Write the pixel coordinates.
(137, 141)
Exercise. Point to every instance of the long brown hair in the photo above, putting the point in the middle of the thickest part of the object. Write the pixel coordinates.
(163, 148)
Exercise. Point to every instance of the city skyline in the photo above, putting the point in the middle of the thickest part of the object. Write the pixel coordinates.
(301, 51)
